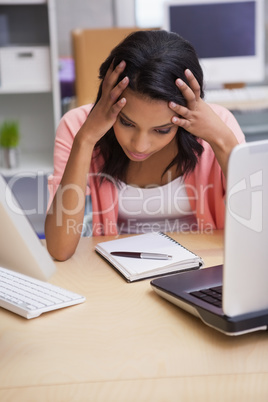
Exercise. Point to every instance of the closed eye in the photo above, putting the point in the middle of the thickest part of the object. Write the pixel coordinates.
(125, 122)
(163, 130)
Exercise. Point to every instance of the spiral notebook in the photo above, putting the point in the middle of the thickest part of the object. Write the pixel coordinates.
(133, 269)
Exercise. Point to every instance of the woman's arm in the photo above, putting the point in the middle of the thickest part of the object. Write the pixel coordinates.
(200, 120)
(65, 215)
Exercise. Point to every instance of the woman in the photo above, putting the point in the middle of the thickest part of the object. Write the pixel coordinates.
(151, 153)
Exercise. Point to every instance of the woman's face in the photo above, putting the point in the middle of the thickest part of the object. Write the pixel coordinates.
(144, 126)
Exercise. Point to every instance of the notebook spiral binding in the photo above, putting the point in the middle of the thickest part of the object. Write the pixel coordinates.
(179, 244)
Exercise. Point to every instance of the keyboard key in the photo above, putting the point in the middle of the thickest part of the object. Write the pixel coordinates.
(198, 294)
(209, 299)
(212, 295)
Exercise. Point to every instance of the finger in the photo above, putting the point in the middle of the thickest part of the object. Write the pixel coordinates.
(108, 74)
(118, 89)
(194, 85)
(111, 68)
(179, 121)
(179, 109)
(112, 75)
(117, 107)
(182, 115)
(187, 93)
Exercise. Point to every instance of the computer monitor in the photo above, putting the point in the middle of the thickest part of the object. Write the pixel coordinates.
(228, 36)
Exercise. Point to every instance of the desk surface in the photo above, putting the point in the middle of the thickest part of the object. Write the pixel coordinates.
(125, 343)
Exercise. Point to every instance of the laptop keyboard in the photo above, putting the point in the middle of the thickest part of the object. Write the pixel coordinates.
(211, 295)
(31, 297)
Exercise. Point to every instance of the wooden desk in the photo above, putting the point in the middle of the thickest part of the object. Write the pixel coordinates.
(125, 343)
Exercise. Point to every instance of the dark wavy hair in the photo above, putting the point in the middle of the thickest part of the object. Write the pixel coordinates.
(154, 60)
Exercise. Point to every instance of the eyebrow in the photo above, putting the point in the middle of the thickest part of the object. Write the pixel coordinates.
(162, 126)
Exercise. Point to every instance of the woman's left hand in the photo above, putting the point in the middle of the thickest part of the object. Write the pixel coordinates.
(199, 119)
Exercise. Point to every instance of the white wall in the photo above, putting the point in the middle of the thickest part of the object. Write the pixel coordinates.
(73, 14)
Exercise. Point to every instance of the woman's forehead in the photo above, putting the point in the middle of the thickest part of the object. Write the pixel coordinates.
(140, 108)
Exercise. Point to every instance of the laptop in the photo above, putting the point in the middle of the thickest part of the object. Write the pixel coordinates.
(20, 248)
(233, 297)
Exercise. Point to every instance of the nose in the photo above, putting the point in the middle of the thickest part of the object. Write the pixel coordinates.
(141, 143)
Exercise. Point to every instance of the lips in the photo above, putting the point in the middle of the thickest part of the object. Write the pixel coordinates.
(138, 156)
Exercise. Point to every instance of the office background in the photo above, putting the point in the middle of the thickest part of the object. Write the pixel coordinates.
(73, 14)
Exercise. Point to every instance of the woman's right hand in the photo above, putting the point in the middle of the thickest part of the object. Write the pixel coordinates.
(105, 112)
(69, 202)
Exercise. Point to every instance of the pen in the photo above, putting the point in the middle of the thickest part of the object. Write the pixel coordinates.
(143, 255)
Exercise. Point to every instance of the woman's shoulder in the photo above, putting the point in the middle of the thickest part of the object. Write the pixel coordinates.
(78, 113)
(72, 121)
(229, 119)
(221, 110)
(225, 114)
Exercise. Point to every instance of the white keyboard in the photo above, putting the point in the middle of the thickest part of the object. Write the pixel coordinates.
(30, 297)
(255, 96)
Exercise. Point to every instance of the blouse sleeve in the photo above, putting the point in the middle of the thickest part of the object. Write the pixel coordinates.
(206, 184)
(69, 125)
(230, 120)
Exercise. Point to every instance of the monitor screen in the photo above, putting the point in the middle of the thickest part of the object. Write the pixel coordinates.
(228, 36)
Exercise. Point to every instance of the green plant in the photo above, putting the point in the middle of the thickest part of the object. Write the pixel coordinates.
(9, 134)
